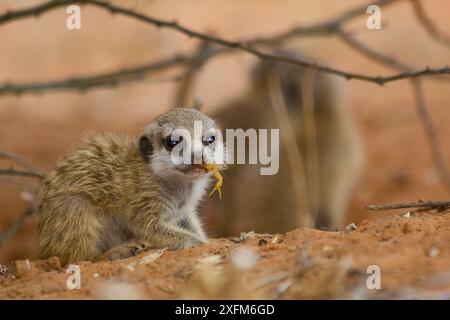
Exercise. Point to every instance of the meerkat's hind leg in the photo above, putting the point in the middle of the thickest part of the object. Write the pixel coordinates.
(73, 233)
(165, 236)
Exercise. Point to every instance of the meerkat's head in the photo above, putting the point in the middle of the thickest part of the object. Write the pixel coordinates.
(178, 144)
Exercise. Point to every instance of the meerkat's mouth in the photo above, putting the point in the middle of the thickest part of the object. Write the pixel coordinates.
(194, 170)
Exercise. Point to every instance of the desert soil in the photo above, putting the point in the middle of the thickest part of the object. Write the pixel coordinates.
(412, 253)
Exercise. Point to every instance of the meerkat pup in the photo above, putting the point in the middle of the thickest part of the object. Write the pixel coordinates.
(115, 196)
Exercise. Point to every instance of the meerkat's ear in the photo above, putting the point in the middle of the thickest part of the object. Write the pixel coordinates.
(145, 147)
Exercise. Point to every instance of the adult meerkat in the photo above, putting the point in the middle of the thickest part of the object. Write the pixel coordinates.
(268, 203)
(114, 195)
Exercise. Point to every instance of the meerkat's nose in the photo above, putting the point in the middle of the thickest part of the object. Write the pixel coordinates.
(197, 157)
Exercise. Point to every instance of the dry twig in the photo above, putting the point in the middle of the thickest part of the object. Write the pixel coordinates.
(182, 95)
(12, 229)
(21, 173)
(428, 24)
(431, 205)
(100, 80)
(112, 78)
(21, 161)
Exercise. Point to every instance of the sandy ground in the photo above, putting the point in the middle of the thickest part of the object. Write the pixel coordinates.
(412, 254)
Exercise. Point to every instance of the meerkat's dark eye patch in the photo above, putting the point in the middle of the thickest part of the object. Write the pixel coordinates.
(208, 140)
(145, 147)
(170, 142)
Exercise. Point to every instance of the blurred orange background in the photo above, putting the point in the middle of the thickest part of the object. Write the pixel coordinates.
(42, 127)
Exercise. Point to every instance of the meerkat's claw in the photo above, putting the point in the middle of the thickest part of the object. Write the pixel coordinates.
(125, 250)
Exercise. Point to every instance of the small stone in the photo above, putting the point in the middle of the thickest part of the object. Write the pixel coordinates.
(262, 242)
(23, 268)
(350, 227)
(248, 235)
(152, 257)
(407, 215)
(433, 252)
(211, 260)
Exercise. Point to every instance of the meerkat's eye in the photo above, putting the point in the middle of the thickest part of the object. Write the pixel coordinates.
(170, 143)
(209, 140)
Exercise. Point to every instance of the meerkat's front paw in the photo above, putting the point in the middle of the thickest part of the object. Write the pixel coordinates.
(203, 240)
(195, 241)
(188, 243)
(126, 250)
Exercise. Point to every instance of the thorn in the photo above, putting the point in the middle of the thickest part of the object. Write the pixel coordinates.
(380, 80)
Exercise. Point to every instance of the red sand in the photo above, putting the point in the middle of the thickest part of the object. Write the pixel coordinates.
(412, 253)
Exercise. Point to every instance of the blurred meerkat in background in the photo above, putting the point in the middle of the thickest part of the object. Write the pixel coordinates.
(268, 203)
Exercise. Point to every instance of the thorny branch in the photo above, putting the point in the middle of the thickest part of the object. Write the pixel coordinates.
(428, 24)
(21, 173)
(18, 160)
(100, 80)
(30, 170)
(431, 205)
(248, 46)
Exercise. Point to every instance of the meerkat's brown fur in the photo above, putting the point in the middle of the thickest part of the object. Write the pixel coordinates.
(102, 195)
